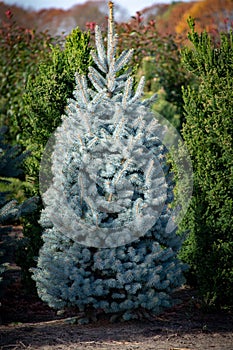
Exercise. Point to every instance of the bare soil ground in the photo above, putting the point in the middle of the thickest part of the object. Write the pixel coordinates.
(27, 323)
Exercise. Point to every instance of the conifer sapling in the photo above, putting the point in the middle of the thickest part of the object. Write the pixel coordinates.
(110, 243)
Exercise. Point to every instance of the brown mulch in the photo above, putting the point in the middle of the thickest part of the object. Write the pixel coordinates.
(27, 323)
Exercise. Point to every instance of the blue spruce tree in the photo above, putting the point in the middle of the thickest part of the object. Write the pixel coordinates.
(109, 243)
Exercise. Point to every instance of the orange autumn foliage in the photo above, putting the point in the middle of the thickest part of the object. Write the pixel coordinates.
(167, 23)
(210, 15)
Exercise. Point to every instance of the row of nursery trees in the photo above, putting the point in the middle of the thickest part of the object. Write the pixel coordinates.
(92, 97)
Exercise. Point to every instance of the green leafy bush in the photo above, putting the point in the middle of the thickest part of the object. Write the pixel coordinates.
(208, 136)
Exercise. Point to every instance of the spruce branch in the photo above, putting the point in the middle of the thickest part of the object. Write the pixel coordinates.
(98, 77)
(98, 62)
(127, 91)
(123, 59)
(97, 99)
(119, 87)
(119, 128)
(149, 172)
(96, 82)
(100, 49)
(82, 87)
(124, 76)
(87, 122)
(111, 83)
(152, 125)
(140, 128)
(148, 102)
(139, 91)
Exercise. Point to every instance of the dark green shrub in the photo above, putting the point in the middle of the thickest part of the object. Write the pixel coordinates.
(11, 161)
(20, 51)
(208, 136)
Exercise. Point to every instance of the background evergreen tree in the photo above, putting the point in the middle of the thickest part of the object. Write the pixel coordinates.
(11, 159)
(208, 135)
(109, 243)
(21, 50)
